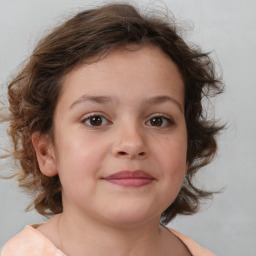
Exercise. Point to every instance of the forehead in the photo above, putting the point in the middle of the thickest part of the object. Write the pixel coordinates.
(126, 71)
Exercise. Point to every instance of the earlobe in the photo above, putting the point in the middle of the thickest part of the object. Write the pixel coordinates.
(45, 154)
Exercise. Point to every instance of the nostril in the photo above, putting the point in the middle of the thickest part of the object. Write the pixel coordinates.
(141, 154)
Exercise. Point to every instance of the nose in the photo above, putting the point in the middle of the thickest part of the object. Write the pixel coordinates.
(130, 143)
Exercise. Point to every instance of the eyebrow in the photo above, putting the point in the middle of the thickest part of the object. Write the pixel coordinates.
(107, 99)
(162, 99)
(96, 99)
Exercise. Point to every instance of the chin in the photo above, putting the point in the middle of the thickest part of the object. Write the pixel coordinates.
(132, 218)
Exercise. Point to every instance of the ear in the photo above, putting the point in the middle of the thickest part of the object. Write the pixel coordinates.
(45, 154)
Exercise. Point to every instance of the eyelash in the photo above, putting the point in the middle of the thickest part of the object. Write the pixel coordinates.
(164, 119)
(168, 121)
(90, 116)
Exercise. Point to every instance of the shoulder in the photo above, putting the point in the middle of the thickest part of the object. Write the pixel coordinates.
(30, 242)
(194, 248)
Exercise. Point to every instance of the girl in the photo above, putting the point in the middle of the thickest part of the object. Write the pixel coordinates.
(108, 127)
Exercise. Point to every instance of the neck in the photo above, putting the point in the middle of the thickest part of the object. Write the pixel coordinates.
(81, 237)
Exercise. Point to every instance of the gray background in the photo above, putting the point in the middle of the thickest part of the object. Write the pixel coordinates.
(226, 225)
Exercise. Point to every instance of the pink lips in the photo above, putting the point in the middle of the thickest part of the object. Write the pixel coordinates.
(136, 178)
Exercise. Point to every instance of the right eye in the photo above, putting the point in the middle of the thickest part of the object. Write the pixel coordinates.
(95, 120)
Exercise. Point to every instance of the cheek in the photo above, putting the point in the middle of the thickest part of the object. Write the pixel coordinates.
(172, 159)
(173, 151)
(174, 170)
(80, 155)
(77, 168)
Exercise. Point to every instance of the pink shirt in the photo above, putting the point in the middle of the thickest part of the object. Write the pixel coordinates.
(30, 242)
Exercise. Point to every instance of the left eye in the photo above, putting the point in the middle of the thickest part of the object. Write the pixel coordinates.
(159, 121)
(95, 120)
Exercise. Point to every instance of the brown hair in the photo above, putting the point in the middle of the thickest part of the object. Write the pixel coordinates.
(34, 93)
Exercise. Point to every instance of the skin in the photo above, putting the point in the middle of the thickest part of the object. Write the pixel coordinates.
(142, 127)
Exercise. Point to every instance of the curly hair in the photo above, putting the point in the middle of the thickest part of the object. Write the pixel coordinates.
(34, 93)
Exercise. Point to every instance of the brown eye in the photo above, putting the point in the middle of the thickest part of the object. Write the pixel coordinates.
(156, 121)
(160, 121)
(95, 120)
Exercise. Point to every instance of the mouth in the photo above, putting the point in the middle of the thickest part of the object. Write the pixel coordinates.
(136, 178)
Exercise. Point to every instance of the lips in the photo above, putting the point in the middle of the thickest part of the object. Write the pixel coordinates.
(136, 178)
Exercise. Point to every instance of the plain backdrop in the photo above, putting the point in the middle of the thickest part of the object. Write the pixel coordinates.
(227, 28)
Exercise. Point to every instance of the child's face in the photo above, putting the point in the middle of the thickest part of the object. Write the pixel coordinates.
(123, 113)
